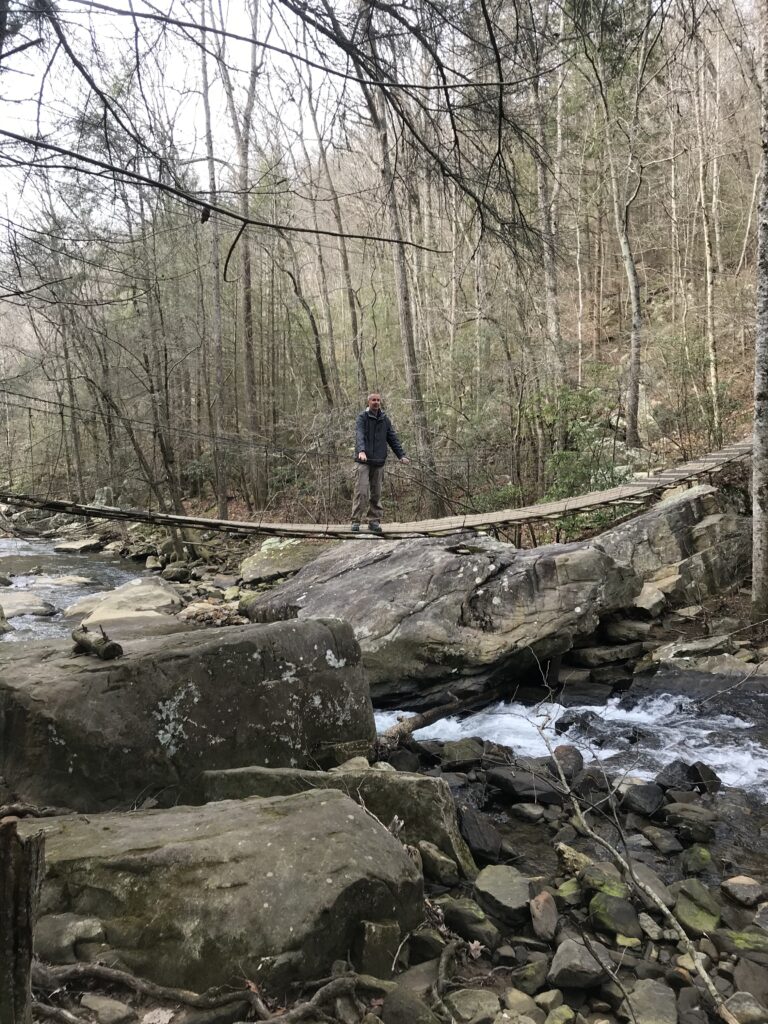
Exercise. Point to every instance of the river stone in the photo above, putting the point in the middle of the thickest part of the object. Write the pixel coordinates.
(746, 1008)
(469, 921)
(503, 892)
(427, 609)
(473, 1004)
(194, 897)
(425, 944)
(742, 943)
(176, 573)
(419, 980)
(650, 879)
(665, 841)
(142, 606)
(57, 935)
(281, 556)
(603, 877)
(521, 1003)
(696, 909)
(645, 798)
(108, 1011)
(560, 1015)
(424, 803)
(531, 977)
(525, 787)
(481, 835)
(25, 602)
(544, 916)
(696, 860)
(437, 866)
(92, 734)
(615, 915)
(751, 977)
(575, 966)
(403, 1007)
(79, 547)
(761, 917)
(650, 1002)
(5, 626)
(744, 890)
(692, 821)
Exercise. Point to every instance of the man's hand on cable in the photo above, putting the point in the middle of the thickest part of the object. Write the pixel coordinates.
(406, 460)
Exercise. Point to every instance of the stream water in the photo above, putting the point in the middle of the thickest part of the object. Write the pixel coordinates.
(48, 581)
(663, 727)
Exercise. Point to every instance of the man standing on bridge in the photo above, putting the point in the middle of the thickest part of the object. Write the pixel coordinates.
(373, 433)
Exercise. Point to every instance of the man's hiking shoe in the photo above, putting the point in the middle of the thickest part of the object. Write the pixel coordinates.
(355, 527)
(375, 526)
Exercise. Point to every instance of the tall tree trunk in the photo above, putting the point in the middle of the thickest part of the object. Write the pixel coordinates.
(709, 256)
(546, 227)
(215, 407)
(21, 877)
(760, 436)
(241, 119)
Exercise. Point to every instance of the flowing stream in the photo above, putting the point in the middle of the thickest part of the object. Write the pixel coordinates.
(640, 737)
(37, 570)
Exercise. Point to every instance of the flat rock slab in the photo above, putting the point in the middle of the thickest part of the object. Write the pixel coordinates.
(425, 804)
(79, 547)
(201, 896)
(21, 602)
(145, 606)
(93, 735)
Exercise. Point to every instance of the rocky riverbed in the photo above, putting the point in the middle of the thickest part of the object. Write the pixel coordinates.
(219, 816)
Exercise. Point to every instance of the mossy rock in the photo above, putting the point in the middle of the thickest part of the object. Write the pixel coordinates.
(695, 919)
(696, 860)
(614, 915)
(728, 941)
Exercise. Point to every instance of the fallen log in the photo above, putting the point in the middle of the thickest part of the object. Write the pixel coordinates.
(395, 735)
(87, 642)
(21, 876)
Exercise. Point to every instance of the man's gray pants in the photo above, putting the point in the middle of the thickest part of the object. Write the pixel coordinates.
(367, 491)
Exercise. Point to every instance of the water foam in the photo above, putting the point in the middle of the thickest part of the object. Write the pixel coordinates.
(680, 730)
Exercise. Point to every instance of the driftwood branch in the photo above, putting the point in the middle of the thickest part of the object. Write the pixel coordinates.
(396, 734)
(87, 642)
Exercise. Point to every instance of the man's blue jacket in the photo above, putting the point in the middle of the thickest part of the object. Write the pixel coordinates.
(373, 432)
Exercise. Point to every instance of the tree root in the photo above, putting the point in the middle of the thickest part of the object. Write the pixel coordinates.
(48, 979)
(54, 1013)
(345, 985)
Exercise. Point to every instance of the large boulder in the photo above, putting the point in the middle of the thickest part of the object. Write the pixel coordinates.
(688, 546)
(281, 556)
(142, 606)
(201, 896)
(424, 804)
(468, 611)
(92, 734)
